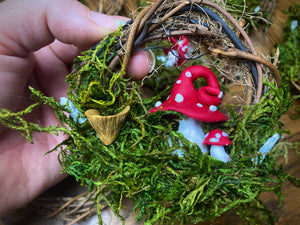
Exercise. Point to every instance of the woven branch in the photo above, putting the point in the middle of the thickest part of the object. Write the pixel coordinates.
(151, 24)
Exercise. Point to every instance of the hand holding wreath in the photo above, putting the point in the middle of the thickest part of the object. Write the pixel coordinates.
(38, 42)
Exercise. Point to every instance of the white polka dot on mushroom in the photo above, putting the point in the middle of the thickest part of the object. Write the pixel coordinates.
(218, 135)
(199, 105)
(214, 140)
(179, 98)
(188, 74)
(213, 108)
(178, 82)
(220, 94)
(224, 134)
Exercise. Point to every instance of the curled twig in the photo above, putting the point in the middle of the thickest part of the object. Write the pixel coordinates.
(245, 55)
(141, 22)
(171, 13)
(149, 14)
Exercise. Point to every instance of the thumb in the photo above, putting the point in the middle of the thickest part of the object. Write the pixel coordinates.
(32, 25)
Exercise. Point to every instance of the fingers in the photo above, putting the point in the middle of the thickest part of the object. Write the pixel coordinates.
(141, 64)
(31, 25)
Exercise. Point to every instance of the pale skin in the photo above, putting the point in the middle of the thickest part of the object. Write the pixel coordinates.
(38, 41)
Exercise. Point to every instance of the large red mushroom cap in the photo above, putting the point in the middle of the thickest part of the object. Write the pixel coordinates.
(199, 105)
(217, 137)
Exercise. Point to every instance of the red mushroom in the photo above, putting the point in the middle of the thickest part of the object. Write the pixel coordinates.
(179, 48)
(217, 139)
(199, 105)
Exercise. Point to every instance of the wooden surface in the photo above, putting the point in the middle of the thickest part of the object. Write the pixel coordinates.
(267, 38)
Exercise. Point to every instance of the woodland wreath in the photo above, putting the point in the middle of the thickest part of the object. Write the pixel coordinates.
(135, 157)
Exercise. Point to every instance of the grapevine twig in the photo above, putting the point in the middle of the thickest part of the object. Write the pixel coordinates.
(149, 13)
(192, 31)
(245, 36)
(171, 13)
(131, 37)
(245, 55)
(66, 204)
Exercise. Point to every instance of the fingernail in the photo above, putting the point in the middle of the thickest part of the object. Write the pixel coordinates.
(106, 20)
(150, 60)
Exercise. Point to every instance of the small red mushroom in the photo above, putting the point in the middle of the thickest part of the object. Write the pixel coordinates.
(218, 139)
(199, 105)
(179, 48)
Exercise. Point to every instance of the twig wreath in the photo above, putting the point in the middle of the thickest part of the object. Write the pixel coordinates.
(133, 153)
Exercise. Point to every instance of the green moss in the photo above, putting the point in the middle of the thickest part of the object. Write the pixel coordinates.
(289, 61)
(251, 11)
(139, 165)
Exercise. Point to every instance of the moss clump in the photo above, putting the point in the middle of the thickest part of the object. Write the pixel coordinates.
(139, 164)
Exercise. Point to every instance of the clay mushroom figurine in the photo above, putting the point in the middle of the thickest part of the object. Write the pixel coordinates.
(191, 130)
(199, 105)
(218, 139)
(179, 48)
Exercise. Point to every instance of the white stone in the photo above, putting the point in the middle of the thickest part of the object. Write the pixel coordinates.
(179, 98)
(294, 25)
(257, 9)
(268, 145)
(75, 114)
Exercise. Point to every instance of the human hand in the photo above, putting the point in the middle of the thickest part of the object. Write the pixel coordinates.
(38, 41)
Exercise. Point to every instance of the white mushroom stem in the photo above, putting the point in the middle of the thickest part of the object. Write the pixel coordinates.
(171, 59)
(192, 130)
(218, 152)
